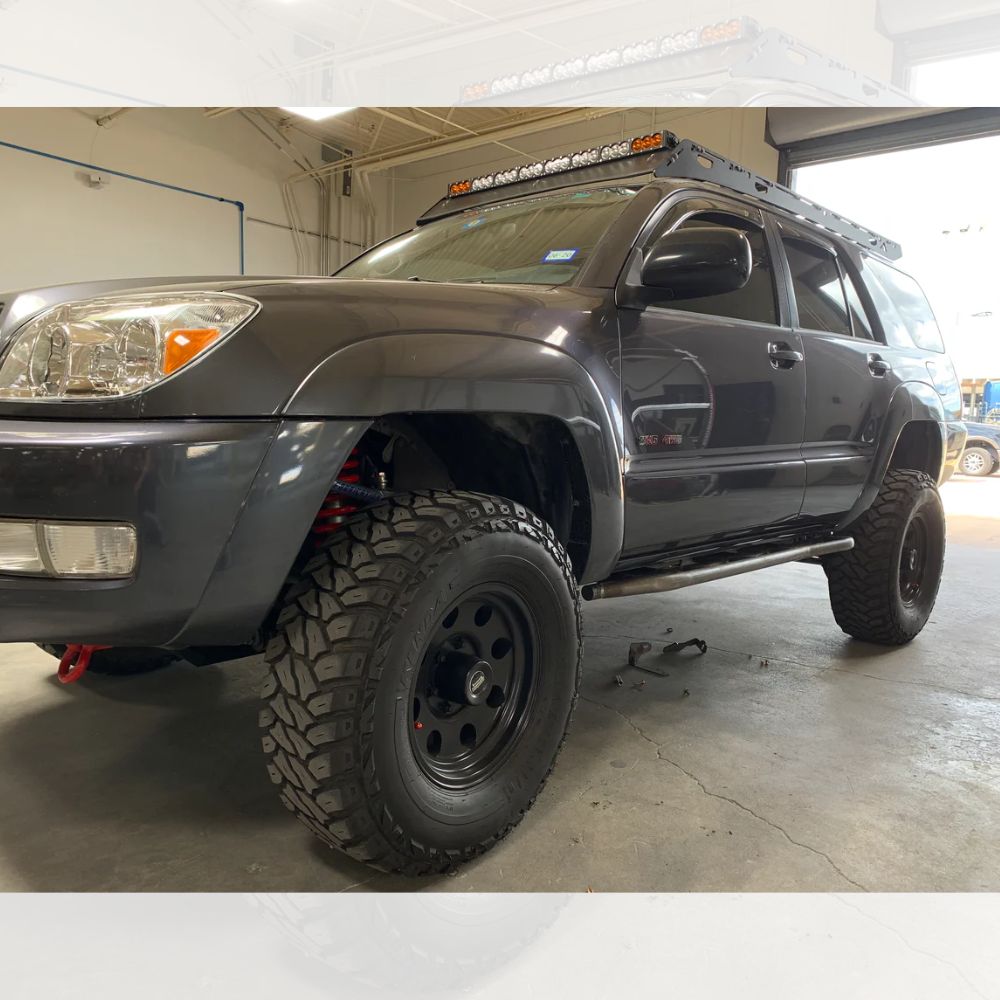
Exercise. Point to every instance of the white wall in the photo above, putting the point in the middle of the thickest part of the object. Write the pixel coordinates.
(53, 227)
(738, 133)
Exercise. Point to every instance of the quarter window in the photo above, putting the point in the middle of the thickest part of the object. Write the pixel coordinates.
(819, 291)
(756, 301)
(906, 314)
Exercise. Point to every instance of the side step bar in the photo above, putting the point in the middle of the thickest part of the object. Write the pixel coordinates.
(655, 583)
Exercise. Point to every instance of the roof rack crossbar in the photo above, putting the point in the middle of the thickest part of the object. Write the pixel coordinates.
(693, 162)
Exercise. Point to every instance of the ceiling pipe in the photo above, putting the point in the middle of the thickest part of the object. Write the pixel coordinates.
(430, 148)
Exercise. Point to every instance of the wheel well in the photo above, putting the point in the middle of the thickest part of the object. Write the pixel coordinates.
(529, 458)
(985, 445)
(919, 447)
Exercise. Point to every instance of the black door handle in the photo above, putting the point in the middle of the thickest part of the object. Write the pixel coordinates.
(878, 366)
(782, 356)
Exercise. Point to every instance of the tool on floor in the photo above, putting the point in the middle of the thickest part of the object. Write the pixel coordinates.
(676, 647)
(75, 661)
(638, 649)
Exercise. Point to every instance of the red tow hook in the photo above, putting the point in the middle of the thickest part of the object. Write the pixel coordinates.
(75, 661)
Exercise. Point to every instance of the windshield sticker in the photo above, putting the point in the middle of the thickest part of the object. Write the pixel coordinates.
(472, 223)
(559, 256)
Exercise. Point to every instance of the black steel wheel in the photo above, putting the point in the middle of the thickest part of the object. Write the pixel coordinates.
(424, 668)
(884, 589)
(473, 690)
(913, 555)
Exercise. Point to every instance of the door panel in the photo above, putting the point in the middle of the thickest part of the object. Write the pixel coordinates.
(847, 388)
(847, 405)
(713, 427)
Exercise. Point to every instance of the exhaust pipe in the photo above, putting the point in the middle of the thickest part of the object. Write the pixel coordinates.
(656, 583)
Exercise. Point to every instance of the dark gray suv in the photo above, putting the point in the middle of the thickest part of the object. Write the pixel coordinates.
(627, 370)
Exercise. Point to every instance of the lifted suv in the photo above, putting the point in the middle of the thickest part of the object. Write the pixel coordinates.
(626, 371)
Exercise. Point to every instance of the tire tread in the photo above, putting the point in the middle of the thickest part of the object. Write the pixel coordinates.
(328, 653)
(861, 581)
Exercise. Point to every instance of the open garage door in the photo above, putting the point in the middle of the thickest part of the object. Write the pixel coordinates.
(944, 50)
(807, 136)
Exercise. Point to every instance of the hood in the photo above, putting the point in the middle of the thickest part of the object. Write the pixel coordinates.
(991, 431)
(303, 322)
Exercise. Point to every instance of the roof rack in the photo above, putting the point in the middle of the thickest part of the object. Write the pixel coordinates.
(694, 162)
(707, 63)
(661, 154)
(635, 157)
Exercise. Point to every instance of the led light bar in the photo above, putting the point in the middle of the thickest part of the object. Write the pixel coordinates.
(736, 29)
(561, 164)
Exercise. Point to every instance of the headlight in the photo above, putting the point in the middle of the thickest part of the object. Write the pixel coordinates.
(118, 345)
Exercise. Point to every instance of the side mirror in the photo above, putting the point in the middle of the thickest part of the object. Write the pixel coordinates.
(693, 263)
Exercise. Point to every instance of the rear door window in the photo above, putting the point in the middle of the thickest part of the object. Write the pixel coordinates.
(859, 317)
(818, 287)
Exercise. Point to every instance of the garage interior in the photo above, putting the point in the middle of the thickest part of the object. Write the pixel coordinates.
(787, 757)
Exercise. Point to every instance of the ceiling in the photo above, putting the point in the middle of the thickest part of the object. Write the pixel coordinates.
(377, 130)
(370, 136)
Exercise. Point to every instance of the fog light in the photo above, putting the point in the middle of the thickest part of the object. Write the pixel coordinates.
(19, 548)
(97, 550)
(65, 550)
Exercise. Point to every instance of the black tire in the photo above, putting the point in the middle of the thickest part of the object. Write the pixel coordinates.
(977, 462)
(354, 641)
(121, 662)
(884, 589)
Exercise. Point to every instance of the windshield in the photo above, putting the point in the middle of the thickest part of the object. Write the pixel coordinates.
(540, 241)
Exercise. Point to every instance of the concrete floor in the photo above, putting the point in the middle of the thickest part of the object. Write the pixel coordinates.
(787, 758)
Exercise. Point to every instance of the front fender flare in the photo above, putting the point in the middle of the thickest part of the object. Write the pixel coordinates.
(471, 373)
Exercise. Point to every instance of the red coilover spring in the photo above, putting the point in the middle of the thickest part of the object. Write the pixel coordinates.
(336, 508)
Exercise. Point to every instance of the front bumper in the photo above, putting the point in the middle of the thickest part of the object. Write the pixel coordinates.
(221, 509)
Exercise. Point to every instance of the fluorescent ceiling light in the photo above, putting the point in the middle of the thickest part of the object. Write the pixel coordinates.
(317, 114)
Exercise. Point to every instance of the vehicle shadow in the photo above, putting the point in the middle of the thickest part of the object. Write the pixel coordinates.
(153, 781)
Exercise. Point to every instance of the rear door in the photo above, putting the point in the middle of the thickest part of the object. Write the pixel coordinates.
(847, 370)
(714, 402)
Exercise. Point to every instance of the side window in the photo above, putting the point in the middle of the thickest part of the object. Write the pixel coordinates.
(756, 302)
(819, 292)
(906, 315)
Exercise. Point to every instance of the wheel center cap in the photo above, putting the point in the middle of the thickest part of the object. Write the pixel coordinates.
(464, 678)
(478, 683)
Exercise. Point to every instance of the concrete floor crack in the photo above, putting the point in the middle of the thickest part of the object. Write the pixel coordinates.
(725, 798)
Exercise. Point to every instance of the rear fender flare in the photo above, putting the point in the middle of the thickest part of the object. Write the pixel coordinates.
(910, 401)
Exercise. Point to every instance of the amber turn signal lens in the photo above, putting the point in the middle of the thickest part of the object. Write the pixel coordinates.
(647, 142)
(183, 346)
(462, 187)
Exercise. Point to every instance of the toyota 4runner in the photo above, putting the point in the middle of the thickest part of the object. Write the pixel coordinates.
(624, 371)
